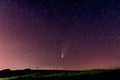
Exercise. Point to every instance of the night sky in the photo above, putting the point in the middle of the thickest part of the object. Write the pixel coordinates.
(62, 34)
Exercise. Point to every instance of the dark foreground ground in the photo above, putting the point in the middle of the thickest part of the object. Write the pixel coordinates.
(60, 75)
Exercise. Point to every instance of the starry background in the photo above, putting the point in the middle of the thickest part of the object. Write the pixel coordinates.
(35, 33)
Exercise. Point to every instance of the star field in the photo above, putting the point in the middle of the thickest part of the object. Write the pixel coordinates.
(37, 32)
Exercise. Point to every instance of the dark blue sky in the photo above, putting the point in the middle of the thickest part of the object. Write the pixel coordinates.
(68, 34)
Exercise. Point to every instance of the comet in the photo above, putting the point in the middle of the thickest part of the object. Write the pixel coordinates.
(62, 55)
(63, 50)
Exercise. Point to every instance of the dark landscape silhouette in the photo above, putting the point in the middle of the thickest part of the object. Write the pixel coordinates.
(28, 74)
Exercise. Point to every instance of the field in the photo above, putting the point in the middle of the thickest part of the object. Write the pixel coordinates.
(60, 75)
